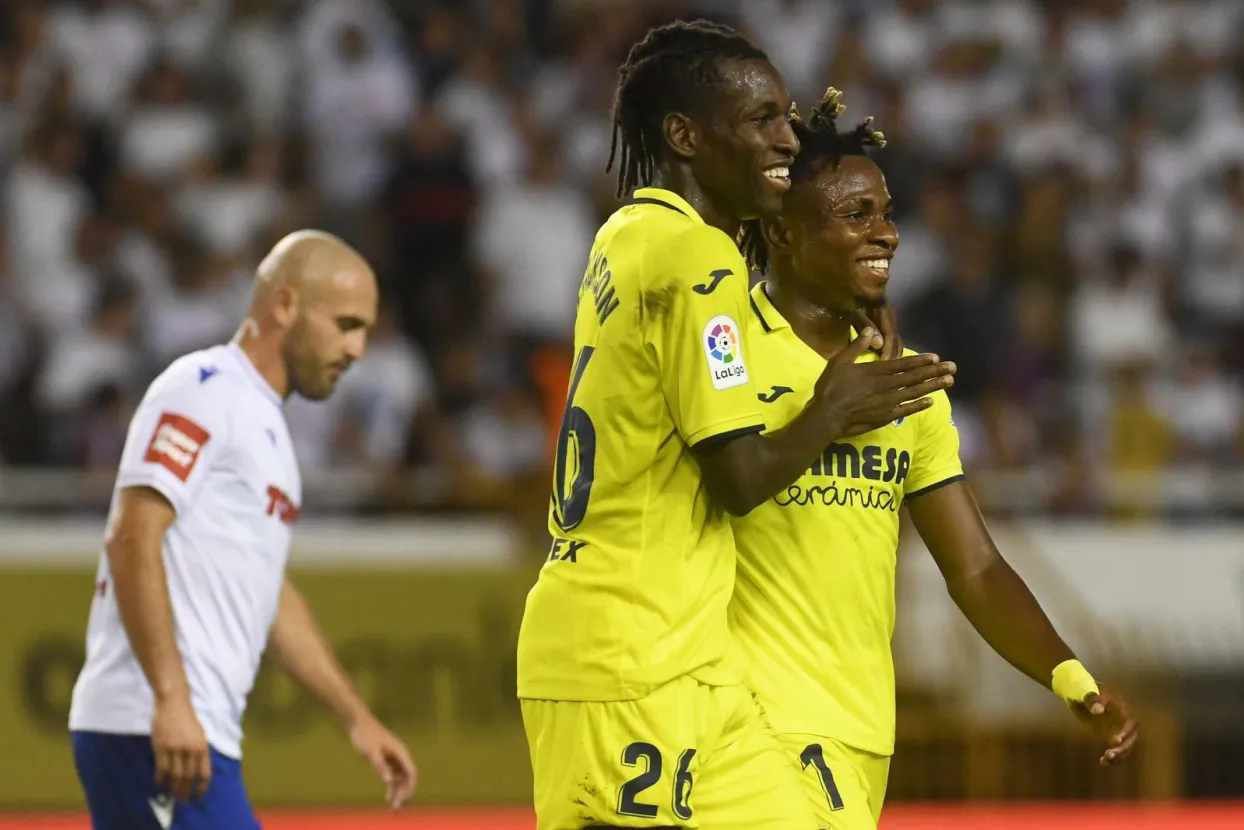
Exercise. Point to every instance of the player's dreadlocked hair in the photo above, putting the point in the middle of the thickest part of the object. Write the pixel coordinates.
(821, 144)
(671, 69)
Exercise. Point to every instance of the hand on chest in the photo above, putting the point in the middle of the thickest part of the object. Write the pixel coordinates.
(883, 456)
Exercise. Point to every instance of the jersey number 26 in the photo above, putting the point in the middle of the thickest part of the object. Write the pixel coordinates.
(574, 471)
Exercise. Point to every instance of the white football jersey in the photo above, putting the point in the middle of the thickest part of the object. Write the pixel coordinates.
(210, 436)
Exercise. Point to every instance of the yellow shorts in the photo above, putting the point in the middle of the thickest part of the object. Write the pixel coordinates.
(687, 755)
(845, 786)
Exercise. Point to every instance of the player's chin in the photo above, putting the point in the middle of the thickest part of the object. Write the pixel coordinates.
(870, 299)
(771, 199)
(870, 289)
(320, 390)
(761, 200)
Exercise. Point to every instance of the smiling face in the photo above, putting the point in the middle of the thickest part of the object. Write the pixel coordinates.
(743, 142)
(837, 236)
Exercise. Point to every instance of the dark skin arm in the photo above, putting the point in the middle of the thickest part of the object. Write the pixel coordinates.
(850, 399)
(1000, 607)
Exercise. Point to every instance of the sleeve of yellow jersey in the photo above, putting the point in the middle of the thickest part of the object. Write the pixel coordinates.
(935, 462)
(698, 338)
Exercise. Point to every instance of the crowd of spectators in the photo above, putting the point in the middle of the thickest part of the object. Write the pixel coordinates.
(1068, 177)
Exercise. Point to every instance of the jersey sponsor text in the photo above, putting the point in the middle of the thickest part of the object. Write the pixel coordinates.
(176, 444)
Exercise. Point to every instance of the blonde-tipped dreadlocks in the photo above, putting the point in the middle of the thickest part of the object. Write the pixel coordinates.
(822, 144)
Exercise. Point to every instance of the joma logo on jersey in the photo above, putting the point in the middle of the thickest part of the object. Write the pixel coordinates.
(871, 462)
(281, 505)
(176, 444)
(775, 393)
(714, 279)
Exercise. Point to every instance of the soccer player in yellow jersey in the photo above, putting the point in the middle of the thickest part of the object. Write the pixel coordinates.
(813, 609)
(629, 682)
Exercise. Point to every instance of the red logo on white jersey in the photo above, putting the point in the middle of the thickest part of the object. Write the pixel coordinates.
(176, 444)
(280, 504)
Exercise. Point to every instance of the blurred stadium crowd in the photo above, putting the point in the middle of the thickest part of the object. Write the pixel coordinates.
(1068, 176)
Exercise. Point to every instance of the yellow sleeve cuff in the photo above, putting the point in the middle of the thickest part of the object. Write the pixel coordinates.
(1072, 682)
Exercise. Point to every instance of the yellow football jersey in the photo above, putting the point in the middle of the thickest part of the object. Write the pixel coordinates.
(813, 609)
(635, 588)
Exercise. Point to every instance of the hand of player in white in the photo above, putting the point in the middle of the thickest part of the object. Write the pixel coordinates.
(388, 756)
(183, 760)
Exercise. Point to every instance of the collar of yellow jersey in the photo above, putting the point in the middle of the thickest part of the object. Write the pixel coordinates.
(665, 198)
(770, 318)
(766, 312)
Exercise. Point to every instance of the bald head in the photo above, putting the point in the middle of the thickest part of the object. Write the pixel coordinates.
(316, 297)
(310, 262)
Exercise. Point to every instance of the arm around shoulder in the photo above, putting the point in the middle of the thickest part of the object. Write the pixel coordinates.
(849, 398)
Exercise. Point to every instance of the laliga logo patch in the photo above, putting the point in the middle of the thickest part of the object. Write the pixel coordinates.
(724, 350)
(722, 343)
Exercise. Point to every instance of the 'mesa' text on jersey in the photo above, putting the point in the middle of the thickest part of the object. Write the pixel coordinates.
(835, 479)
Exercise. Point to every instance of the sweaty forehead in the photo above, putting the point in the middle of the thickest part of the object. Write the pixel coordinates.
(746, 85)
(855, 177)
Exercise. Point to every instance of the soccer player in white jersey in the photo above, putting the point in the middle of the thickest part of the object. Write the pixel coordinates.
(192, 588)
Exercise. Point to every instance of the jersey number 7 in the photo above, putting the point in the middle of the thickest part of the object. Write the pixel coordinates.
(573, 476)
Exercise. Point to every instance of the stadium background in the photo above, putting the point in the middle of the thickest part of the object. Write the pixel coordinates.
(1069, 181)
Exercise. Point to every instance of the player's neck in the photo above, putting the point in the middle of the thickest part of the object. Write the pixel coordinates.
(264, 355)
(827, 331)
(679, 180)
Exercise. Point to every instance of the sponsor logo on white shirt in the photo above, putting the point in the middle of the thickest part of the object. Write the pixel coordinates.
(176, 444)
